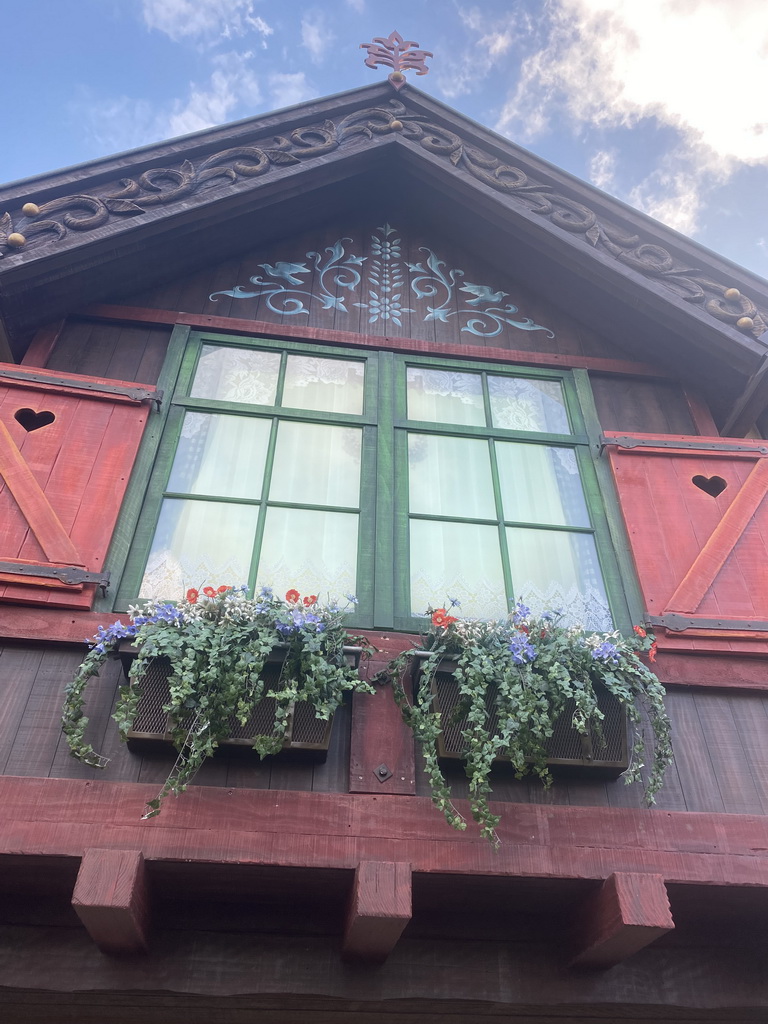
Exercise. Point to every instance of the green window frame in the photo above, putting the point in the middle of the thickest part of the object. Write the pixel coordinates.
(384, 518)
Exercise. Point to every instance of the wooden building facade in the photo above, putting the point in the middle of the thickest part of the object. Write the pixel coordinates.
(385, 241)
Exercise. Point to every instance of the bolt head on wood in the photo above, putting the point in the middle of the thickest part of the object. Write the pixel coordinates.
(746, 323)
(30, 209)
(396, 126)
(732, 294)
(16, 240)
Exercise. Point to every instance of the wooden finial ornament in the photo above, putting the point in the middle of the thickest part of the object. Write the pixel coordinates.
(396, 53)
(16, 240)
(746, 323)
(732, 294)
(30, 209)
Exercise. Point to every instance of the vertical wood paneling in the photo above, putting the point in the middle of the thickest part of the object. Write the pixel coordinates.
(697, 773)
(726, 750)
(111, 350)
(18, 668)
(648, 406)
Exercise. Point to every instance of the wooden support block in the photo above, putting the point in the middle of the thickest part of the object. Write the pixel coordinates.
(111, 898)
(627, 913)
(379, 910)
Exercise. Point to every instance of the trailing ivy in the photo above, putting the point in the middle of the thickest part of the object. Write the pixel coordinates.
(217, 643)
(526, 670)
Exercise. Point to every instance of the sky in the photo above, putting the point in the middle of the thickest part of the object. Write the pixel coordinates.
(662, 103)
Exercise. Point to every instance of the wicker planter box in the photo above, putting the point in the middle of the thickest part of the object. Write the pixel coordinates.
(567, 748)
(307, 734)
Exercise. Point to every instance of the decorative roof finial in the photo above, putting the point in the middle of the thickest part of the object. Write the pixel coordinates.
(396, 53)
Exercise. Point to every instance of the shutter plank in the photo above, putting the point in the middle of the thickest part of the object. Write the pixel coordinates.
(721, 543)
(29, 496)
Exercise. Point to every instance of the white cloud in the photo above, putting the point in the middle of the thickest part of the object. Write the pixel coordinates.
(123, 122)
(286, 89)
(602, 170)
(698, 67)
(486, 41)
(316, 35)
(208, 20)
(356, 5)
(232, 84)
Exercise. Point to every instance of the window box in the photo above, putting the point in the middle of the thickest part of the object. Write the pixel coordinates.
(307, 736)
(568, 748)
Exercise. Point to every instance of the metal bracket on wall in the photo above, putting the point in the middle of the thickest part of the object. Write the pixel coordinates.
(136, 394)
(628, 441)
(678, 623)
(71, 575)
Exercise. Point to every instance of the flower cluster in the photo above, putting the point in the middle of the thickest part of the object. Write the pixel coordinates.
(217, 641)
(514, 679)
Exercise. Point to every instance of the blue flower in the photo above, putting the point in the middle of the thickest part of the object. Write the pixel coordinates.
(352, 599)
(521, 649)
(607, 652)
(521, 612)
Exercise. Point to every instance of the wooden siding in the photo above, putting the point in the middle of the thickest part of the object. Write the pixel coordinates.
(630, 404)
(720, 741)
(113, 351)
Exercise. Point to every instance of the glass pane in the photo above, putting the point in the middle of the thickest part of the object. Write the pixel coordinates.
(197, 544)
(457, 560)
(327, 385)
(220, 455)
(317, 465)
(313, 552)
(450, 476)
(440, 396)
(236, 375)
(553, 570)
(521, 404)
(541, 484)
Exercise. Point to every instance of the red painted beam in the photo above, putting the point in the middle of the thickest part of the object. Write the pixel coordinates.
(627, 913)
(111, 898)
(379, 909)
(62, 817)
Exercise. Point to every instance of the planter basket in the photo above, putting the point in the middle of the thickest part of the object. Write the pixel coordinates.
(152, 725)
(606, 757)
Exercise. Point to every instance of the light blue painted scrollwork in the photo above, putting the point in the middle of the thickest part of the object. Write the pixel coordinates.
(437, 282)
(384, 286)
(386, 279)
(333, 261)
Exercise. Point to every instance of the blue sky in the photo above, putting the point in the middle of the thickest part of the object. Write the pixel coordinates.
(663, 103)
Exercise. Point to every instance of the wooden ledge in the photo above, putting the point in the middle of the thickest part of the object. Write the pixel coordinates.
(379, 910)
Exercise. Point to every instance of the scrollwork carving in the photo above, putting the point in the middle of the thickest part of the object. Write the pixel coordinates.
(161, 186)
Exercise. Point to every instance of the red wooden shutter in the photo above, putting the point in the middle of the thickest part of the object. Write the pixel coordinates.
(67, 447)
(697, 516)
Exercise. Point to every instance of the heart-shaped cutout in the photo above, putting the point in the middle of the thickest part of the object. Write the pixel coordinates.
(712, 485)
(31, 420)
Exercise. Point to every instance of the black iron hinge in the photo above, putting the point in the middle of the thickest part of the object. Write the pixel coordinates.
(136, 394)
(678, 623)
(628, 441)
(71, 575)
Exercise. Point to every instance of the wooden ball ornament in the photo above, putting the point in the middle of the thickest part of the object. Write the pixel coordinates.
(396, 126)
(746, 323)
(30, 209)
(16, 240)
(397, 76)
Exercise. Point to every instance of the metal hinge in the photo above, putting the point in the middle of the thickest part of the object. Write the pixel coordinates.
(71, 575)
(628, 441)
(678, 623)
(136, 394)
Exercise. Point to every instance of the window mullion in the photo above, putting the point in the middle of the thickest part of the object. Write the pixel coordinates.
(386, 487)
(261, 521)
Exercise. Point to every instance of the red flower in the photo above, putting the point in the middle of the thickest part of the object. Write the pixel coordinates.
(223, 589)
(652, 651)
(292, 596)
(209, 592)
(192, 596)
(309, 601)
(640, 631)
(523, 628)
(441, 619)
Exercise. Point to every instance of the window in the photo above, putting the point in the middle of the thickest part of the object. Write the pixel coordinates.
(406, 480)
